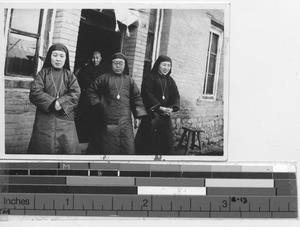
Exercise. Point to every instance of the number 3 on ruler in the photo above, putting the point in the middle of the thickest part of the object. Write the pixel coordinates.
(224, 203)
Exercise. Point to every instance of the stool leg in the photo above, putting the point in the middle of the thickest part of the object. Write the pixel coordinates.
(188, 143)
(193, 140)
(199, 140)
(181, 139)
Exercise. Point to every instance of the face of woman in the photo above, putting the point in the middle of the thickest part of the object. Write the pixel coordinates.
(58, 59)
(164, 67)
(96, 58)
(118, 66)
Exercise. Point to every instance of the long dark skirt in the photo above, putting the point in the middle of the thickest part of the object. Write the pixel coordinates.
(86, 120)
(113, 139)
(155, 136)
(52, 135)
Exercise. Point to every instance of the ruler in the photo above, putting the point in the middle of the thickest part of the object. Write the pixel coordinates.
(148, 190)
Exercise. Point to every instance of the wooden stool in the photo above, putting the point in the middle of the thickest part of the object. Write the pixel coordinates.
(190, 134)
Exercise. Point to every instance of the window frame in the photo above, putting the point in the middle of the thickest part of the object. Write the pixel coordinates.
(220, 33)
(151, 32)
(37, 36)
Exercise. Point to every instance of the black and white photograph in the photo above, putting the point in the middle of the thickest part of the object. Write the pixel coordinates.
(116, 83)
(149, 113)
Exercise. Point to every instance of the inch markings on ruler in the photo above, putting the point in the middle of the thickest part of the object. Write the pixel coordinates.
(146, 190)
(197, 205)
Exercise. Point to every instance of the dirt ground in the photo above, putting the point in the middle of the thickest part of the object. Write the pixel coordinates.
(207, 150)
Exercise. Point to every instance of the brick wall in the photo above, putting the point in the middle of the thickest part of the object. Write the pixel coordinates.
(19, 118)
(220, 88)
(66, 29)
(216, 15)
(5, 18)
(135, 47)
(186, 42)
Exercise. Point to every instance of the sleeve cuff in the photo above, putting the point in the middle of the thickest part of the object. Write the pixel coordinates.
(50, 106)
(175, 108)
(155, 107)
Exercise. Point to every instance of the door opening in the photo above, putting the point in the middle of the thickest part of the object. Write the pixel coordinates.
(97, 32)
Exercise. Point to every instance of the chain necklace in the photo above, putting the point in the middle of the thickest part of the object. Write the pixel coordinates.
(118, 90)
(56, 91)
(162, 89)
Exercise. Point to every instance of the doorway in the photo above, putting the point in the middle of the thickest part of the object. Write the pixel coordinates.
(97, 32)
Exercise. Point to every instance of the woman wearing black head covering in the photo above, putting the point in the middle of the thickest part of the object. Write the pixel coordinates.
(85, 117)
(116, 96)
(55, 93)
(161, 98)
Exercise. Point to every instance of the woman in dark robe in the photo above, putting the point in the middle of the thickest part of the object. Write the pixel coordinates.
(161, 98)
(55, 93)
(116, 97)
(86, 117)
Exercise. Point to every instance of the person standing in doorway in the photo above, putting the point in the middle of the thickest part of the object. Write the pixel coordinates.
(117, 97)
(161, 98)
(55, 93)
(85, 117)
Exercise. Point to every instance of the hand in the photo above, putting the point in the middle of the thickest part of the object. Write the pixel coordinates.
(137, 123)
(57, 106)
(165, 111)
(169, 110)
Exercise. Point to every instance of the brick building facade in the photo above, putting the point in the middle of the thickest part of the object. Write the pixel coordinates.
(193, 38)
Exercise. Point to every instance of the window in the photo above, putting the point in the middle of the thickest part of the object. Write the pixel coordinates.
(212, 64)
(150, 42)
(22, 44)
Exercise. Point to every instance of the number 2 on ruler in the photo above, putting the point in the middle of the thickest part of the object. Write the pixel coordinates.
(145, 202)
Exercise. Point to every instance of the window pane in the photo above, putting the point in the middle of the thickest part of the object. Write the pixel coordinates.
(147, 68)
(149, 47)
(212, 64)
(20, 55)
(214, 44)
(210, 84)
(26, 20)
(152, 20)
